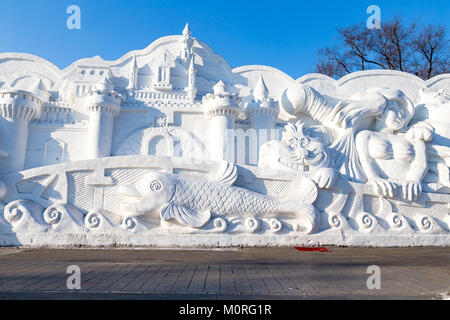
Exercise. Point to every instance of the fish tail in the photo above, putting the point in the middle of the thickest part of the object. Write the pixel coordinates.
(306, 215)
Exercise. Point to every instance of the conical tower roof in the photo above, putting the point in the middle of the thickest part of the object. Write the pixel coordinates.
(260, 92)
(187, 31)
(219, 88)
(39, 89)
(38, 86)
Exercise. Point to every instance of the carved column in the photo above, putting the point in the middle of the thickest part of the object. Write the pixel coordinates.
(222, 110)
(103, 107)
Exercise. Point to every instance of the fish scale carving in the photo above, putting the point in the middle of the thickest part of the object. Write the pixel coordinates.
(221, 198)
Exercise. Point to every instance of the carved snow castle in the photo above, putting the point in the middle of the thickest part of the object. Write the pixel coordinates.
(170, 146)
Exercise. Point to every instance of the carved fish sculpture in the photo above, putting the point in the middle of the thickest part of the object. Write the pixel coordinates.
(190, 200)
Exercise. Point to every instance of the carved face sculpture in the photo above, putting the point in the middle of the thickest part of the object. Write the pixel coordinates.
(300, 149)
(394, 115)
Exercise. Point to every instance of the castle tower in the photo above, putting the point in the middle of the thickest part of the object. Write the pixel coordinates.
(17, 109)
(222, 109)
(186, 43)
(103, 106)
(262, 113)
(132, 83)
(191, 89)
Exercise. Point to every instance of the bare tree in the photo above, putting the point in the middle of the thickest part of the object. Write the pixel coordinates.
(330, 61)
(419, 50)
(432, 48)
(392, 45)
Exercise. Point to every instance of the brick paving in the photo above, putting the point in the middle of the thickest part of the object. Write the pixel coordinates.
(249, 273)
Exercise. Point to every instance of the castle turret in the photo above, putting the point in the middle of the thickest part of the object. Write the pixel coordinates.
(221, 109)
(262, 111)
(186, 43)
(132, 83)
(191, 88)
(17, 109)
(102, 105)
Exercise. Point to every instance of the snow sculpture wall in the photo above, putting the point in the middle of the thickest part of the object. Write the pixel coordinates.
(169, 146)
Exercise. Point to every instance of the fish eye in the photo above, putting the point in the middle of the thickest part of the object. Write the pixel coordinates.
(155, 185)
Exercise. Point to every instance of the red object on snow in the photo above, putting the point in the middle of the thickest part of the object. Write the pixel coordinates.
(320, 249)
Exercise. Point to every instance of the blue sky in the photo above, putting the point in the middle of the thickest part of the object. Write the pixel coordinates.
(278, 33)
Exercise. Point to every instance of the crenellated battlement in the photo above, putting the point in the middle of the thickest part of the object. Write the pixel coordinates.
(20, 105)
(222, 102)
(267, 107)
(103, 101)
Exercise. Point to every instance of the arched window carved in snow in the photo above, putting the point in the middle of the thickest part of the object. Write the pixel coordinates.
(54, 152)
(160, 144)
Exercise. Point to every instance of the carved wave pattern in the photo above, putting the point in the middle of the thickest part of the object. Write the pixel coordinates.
(250, 225)
(385, 219)
(93, 220)
(26, 216)
(53, 215)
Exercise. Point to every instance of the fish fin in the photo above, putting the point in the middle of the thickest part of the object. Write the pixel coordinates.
(185, 215)
(226, 173)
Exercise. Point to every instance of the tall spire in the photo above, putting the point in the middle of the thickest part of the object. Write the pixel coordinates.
(260, 92)
(186, 43)
(186, 31)
(133, 75)
(191, 89)
(191, 64)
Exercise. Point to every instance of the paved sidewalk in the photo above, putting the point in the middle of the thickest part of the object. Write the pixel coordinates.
(250, 273)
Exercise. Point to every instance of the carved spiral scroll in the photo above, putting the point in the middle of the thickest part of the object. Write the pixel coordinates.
(366, 221)
(93, 220)
(16, 210)
(220, 224)
(275, 225)
(336, 220)
(252, 224)
(424, 223)
(397, 221)
(129, 223)
(53, 214)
